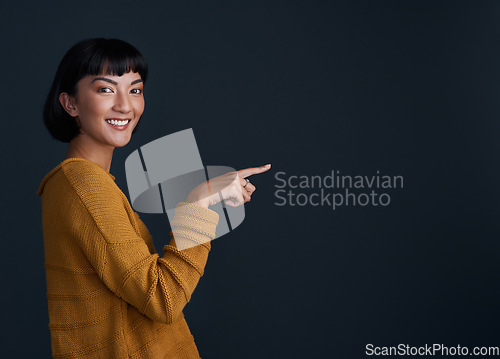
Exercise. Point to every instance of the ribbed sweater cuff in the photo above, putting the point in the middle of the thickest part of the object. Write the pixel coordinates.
(193, 225)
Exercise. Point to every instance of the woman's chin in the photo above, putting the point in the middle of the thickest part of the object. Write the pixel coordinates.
(120, 142)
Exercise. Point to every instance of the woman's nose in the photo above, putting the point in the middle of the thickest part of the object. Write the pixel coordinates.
(122, 103)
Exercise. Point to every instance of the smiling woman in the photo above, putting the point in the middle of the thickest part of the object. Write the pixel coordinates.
(110, 294)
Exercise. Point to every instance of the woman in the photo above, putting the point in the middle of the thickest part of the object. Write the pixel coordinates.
(110, 295)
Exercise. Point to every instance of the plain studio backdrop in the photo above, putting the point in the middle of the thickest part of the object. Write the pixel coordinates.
(406, 88)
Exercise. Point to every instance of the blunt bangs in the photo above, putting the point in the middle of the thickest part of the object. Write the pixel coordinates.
(102, 56)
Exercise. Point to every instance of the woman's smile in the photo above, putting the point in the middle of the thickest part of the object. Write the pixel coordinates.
(119, 124)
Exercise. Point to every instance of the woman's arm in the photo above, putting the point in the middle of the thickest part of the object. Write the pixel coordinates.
(144, 234)
(158, 287)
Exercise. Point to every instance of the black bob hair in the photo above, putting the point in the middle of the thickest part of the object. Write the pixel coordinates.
(88, 57)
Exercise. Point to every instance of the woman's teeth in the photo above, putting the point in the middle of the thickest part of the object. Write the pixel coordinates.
(118, 123)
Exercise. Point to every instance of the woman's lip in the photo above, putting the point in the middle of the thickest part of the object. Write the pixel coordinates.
(120, 127)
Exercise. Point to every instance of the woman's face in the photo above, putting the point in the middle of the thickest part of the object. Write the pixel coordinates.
(107, 108)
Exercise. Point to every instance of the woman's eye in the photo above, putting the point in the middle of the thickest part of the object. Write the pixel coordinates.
(105, 90)
(136, 91)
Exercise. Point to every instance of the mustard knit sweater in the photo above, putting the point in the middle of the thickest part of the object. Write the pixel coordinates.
(110, 295)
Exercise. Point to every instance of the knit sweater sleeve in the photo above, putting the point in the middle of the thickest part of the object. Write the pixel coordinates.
(144, 233)
(159, 287)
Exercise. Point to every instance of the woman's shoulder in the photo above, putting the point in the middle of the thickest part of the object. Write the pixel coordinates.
(79, 172)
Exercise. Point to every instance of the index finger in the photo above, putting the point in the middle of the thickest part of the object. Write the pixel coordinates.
(246, 172)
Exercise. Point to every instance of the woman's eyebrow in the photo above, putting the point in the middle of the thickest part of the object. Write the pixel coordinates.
(104, 79)
(114, 82)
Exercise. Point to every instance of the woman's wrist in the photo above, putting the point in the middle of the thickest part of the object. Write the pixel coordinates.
(203, 202)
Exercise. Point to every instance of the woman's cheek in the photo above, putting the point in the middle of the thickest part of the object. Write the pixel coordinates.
(140, 106)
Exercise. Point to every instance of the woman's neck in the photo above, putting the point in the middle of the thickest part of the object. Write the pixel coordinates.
(102, 155)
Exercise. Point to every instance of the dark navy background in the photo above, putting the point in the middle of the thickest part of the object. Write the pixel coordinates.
(404, 87)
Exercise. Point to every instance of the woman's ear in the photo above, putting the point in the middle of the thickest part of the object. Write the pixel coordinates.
(68, 103)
